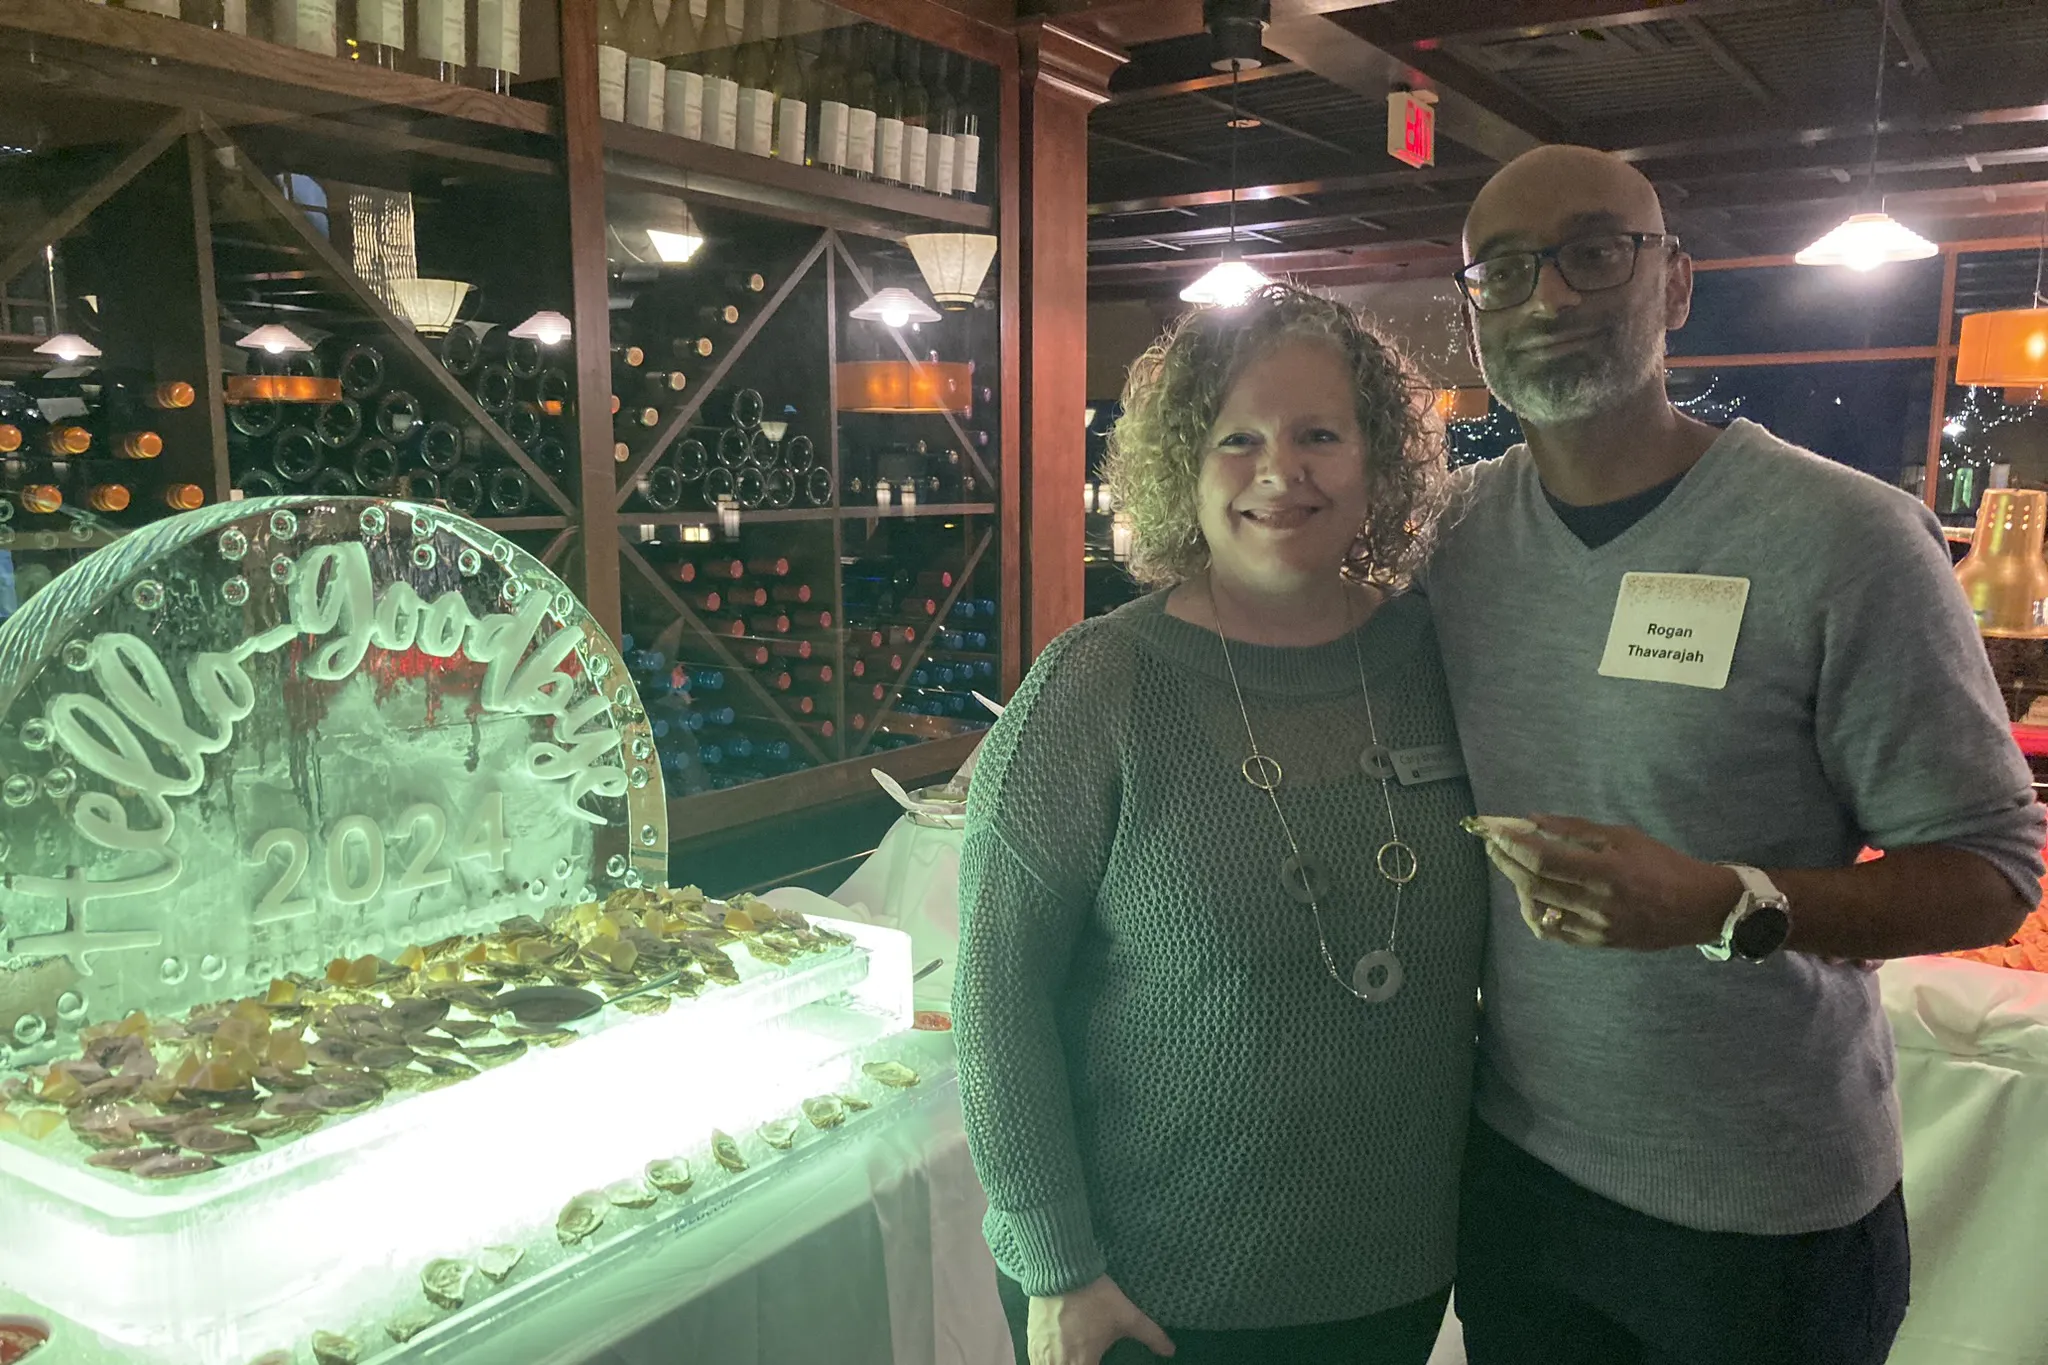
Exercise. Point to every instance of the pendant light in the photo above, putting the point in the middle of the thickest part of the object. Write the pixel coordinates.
(1233, 279)
(2009, 348)
(894, 307)
(274, 339)
(68, 347)
(547, 327)
(953, 264)
(1865, 241)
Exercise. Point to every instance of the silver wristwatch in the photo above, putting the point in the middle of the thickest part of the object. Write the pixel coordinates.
(1758, 925)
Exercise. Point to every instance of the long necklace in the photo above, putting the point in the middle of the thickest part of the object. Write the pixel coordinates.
(1377, 976)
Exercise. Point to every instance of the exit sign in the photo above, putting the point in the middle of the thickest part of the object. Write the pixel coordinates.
(1411, 126)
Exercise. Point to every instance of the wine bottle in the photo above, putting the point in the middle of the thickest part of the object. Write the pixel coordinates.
(183, 497)
(520, 355)
(646, 77)
(944, 119)
(380, 31)
(682, 109)
(396, 416)
(339, 425)
(295, 454)
(778, 490)
(552, 456)
(494, 387)
(790, 594)
(461, 350)
(665, 383)
(828, 82)
(743, 595)
(860, 106)
(721, 90)
(916, 115)
(440, 447)
(107, 498)
(524, 424)
(333, 482)
(691, 459)
(444, 37)
(716, 487)
(693, 348)
(817, 490)
(552, 391)
(719, 315)
(170, 396)
(661, 488)
(63, 439)
(748, 487)
(375, 465)
(304, 24)
(888, 106)
(508, 491)
(799, 454)
(462, 488)
(222, 16)
(815, 674)
(744, 281)
(259, 483)
(498, 43)
(754, 69)
(638, 416)
(713, 570)
(359, 369)
(627, 357)
(611, 61)
(792, 108)
(732, 448)
(967, 142)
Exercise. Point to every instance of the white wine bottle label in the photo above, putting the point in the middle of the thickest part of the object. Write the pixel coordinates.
(611, 83)
(721, 112)
(832, 121)
(646, 91)
(497, 35)
(234, 15)
(916, 151)
(938, 171)
(967, 163)
(889, 148)
(305, 24)
(682, 109)
(860, 141)
(167, 8)
(756, 130)
(381, 22)
(792, 124)
(444, 33)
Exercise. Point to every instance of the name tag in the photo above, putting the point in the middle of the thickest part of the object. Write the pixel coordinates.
(1675, 628)
(1428, 763)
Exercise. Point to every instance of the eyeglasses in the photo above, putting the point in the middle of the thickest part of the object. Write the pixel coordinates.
(1605, 260)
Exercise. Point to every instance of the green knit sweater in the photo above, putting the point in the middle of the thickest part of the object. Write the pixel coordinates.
(1161, 1081)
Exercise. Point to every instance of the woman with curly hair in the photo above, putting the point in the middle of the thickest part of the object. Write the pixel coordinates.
(1220, 931)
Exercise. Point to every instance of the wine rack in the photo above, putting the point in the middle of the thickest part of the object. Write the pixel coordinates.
(206, 183)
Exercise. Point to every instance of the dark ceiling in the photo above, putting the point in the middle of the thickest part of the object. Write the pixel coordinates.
(1752, 116)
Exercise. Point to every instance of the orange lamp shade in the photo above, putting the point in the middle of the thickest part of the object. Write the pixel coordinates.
(1462, 405)
(906, 386)
(2008, 348)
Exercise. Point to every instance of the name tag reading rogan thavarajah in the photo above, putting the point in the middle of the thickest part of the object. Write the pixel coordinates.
(1675, 628)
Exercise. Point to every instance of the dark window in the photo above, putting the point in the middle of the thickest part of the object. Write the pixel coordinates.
(1774, 309)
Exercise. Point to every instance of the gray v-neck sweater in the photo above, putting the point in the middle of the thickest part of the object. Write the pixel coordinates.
(1160, 1079)
(1860, 710)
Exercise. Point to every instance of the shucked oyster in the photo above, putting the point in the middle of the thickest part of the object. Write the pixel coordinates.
(779, 1134)
(629, 1194)
(445, 1282)
(409, 1324)
(891, 1074)
(824, 1111)
(579, 1218)
(669, 1174)
(727, 1152)
(332, 1348)
(496, 1262)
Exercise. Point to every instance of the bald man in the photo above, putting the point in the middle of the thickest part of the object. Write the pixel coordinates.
(1713, 668)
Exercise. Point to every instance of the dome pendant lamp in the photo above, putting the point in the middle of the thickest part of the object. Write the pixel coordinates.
(1865, 241)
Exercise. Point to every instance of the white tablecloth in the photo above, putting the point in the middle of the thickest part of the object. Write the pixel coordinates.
(1973, 1089)
(871, 1256)
(912, 882)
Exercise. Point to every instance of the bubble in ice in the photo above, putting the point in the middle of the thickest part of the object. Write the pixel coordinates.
(77, 655)
(622, 695)
(232, 544)
(35, 734)
(79, 531)
(70, 1006)
(6, 511)
(537, 890)
(235, 591)
(18, 790)
(172, 970)
(424, 556)
(637, 778)
(284, 524)
(282, 568)
(615, 866)
(562, 868)
(599, 665)
(513, 590)
(60, 781)
(147, 595)
(6, 539)
(565, 604)
(212, 968)
(422, 525)
(648, 836)
(501, 553)
(642, 749)
(373, 521)
(468, 561)
(632, 877)
(29, 1030)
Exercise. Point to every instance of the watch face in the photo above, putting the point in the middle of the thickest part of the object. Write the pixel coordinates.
(1762, 931)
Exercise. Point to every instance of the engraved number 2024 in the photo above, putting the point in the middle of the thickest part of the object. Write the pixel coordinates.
(355, 856)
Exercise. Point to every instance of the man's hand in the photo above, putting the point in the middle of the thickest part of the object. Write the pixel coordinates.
(1076, 1328)
(1608, 886)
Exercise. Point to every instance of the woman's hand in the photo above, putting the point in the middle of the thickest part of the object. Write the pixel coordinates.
(1076, 1328)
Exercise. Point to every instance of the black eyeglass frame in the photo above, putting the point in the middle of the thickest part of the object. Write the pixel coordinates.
(1553, 255)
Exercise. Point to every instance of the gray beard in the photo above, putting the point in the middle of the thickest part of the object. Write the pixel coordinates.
(1578, 387)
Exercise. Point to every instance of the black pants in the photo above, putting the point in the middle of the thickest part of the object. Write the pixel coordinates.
(1550, 1273)
(1399, 1336)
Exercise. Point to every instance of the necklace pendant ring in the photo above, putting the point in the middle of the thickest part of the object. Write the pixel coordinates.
(1397, 862)
(1382, 962)
(1262, 771)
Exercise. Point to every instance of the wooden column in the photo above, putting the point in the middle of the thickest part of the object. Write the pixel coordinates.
(596, 485)
(1063, 77)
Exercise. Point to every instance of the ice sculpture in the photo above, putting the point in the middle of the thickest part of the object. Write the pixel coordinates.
(240, 741)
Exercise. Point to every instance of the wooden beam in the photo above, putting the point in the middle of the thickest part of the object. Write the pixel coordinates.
(1010, 548)
(1482, 21)
(1147, 93)
(1408, 180)
(206, 287)
(66, 219)
(1705, 40)
(1916, 52)
(1245, 111)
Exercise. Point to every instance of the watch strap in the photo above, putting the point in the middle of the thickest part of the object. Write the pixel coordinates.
(1756, 887)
